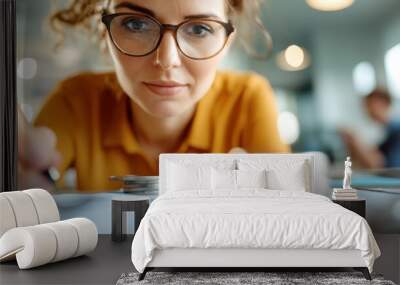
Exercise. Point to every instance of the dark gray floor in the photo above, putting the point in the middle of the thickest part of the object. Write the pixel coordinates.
(102, 266)
(110, 259)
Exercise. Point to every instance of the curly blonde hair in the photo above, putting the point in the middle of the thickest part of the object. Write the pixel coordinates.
(87, 13)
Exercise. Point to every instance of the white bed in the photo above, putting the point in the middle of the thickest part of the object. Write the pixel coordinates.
(193, 224)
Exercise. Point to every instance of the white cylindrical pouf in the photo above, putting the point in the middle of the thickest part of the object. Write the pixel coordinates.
(36, 244)
(45, 205)
(7, 218)
(23, 208)
(87, 234)
(67, 239)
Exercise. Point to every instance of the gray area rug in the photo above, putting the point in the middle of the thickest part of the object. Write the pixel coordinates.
(269, 278)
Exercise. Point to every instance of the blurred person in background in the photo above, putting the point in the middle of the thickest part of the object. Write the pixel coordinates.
(387, 154)
(164, 95)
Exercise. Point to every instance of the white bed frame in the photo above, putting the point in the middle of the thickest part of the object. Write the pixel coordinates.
(256, 258)
(234, 257)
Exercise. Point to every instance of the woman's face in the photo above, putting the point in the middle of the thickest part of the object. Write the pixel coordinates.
(167, 83)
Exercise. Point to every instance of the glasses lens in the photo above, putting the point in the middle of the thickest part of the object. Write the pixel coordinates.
(201, 38)
(134, 34)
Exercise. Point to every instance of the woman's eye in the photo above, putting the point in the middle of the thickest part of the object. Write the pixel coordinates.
(199, 30)
(136, 25)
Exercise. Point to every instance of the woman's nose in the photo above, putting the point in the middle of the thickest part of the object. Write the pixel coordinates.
(167, 55)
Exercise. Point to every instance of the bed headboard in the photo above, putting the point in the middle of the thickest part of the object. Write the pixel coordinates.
(317, 162)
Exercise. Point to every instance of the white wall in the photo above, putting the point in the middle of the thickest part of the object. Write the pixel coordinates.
(391, 33)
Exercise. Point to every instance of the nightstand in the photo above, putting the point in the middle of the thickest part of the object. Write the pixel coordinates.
(357, 206)
(121, 205)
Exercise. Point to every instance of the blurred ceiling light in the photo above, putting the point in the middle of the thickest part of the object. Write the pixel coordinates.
(293, 58)
(364, 78)
(288, 126)
(27, 68)
(329, 5)
(392, 67)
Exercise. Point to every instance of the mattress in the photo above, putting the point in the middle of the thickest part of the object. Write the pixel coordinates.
(250, 219)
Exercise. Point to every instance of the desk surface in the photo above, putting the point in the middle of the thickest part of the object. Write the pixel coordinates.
(369, 181)
(102, 266)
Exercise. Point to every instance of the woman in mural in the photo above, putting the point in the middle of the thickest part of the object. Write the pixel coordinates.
(165, 93)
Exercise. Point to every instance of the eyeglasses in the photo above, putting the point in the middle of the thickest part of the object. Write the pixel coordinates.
(140, 35)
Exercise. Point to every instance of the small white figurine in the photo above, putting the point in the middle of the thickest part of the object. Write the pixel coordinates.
(347, 174)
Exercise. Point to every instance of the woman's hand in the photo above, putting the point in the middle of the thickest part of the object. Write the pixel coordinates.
(237, 150)
(36, 154)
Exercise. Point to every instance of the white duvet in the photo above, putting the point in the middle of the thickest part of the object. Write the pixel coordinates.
(252, 218)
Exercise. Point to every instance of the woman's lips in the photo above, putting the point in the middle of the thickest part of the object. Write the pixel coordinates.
(165, 88)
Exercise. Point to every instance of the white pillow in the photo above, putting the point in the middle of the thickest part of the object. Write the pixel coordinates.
(181, 177)
(293, 179)
(282, 174)
(227, 179)
(251, 178)
(223, 179)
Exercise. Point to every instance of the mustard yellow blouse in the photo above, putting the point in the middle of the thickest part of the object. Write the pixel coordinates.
(90, 114)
